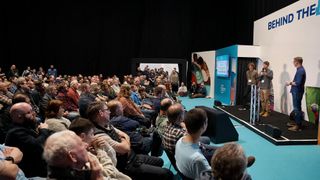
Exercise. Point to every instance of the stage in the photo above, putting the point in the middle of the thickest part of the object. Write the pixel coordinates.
(308, 135)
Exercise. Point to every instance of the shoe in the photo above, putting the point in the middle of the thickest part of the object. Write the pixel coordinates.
(262, 113)
(250, 161)
(290, 124)
(266, 114)
(295, 128)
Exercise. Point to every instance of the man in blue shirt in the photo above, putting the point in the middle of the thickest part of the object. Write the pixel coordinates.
(52, 71)
(297, 90)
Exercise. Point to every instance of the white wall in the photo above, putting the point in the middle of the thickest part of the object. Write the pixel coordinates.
(166, 66)
(248, 51)
(280, 45)
(210, 58)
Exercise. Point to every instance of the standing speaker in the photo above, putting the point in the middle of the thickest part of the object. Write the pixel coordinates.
(220, 128)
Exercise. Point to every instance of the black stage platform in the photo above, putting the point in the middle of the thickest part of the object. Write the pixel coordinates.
(307, 136)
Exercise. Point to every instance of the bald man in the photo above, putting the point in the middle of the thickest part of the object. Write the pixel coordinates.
(29, 138)
(175, 129)
(162, 119)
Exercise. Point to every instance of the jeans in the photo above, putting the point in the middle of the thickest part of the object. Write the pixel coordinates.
(297, 98)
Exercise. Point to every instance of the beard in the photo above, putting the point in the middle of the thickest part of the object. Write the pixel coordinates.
(30, 123)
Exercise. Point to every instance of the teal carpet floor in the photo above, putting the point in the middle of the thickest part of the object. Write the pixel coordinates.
(272, 162)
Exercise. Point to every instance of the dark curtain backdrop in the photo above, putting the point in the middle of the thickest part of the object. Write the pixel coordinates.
(91, 37)
(242, 79)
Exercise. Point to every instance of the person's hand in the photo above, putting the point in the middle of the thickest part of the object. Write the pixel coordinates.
(96, 170)
(43, 126)
(98, 142)
(65, 114)
(125, 136)
(288, 83)
(13, 152)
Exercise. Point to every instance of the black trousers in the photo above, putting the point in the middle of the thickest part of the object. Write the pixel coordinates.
(246, 96)
(148, 167)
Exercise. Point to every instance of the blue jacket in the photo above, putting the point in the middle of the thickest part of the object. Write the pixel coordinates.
(299, 79)
(124, 123)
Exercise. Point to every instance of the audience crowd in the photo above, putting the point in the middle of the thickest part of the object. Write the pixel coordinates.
(93, 127)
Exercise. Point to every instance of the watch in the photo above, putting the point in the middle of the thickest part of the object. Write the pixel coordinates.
(9, 158)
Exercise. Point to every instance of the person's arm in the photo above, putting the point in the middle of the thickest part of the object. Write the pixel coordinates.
(270, 74)
(108, 168)
(14, 152)
(122, 134)
(298, 80)
(8, 170)
(22, 136)
(200, 164)
(122, 147)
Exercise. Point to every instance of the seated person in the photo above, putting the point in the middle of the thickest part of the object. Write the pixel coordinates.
(192, 157)
(118, 119)
(140, 144)
(189, 159)
(137, 166)
(162, 118)
(201, 92)
(54, 116)
(135, 95)
(193, 88)
(130, 109)
(175, 129)
(9, 157)
(182, 91)
(29, 138)
(99, 148)
(228, 162)
(67, 158)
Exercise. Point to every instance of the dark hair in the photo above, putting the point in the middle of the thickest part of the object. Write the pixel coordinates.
(158, 90)
(266, 63)
(93, 110)
(20, 97)
(200, 61)
(298, 59)
(113, 106)
(81, 125)
(165, 104)
(53, 108)
(195, 119)
(174, 112)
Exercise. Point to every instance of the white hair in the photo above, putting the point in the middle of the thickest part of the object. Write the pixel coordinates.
(73, 82)
(58, 145)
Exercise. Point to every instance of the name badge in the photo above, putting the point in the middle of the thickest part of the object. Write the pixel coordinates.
(262, 81)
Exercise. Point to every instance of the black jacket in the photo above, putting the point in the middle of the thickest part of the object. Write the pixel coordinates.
(31, 144)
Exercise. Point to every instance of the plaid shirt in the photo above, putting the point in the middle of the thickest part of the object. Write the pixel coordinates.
(129, 108)
(5, 100)
(171, 135)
